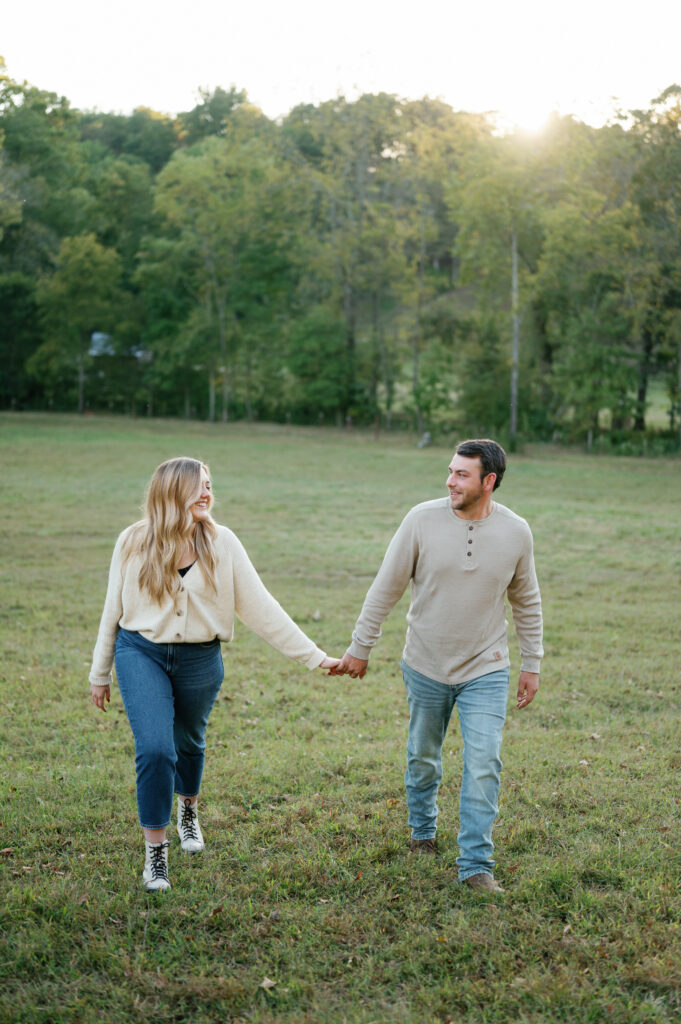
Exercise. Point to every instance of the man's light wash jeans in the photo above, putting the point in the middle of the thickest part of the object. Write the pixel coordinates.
(481, 704)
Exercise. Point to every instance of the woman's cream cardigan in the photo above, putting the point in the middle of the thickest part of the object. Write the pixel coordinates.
(196, 613)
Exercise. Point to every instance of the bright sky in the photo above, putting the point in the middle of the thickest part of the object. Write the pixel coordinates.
(523, 58)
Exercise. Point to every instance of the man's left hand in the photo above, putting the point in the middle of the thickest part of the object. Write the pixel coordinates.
(528, 684)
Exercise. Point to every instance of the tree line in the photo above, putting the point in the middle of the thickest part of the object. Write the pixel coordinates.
(383, 261)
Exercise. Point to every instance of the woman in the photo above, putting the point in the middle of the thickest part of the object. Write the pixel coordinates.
(176, 581)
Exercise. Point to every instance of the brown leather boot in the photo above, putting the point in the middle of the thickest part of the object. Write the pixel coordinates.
(483, 882)
(423, 846)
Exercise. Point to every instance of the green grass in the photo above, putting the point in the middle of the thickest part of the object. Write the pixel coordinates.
(306, 880)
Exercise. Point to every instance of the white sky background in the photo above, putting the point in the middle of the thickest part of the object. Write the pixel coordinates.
(523, 58)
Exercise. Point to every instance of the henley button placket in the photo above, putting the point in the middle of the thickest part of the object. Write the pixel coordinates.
(469, 553)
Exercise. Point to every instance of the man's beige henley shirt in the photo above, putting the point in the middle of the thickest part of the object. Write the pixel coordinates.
(460, 573)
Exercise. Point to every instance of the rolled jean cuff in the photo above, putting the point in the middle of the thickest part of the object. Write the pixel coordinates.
(463, 875)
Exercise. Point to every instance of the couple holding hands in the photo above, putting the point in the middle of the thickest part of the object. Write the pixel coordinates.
(177, 579)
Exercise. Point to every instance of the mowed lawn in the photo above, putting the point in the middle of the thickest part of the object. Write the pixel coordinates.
(306, 906)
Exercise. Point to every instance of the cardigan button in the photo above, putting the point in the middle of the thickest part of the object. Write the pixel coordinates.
(180, 612)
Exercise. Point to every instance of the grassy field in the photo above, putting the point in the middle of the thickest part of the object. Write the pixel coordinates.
(306, 880)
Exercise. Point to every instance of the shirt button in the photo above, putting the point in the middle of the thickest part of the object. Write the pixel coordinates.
(179, 636)
(470, 527)
(180, 612)
(469, 553)
(470, 542)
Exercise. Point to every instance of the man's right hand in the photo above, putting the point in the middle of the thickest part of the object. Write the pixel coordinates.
(355, 667)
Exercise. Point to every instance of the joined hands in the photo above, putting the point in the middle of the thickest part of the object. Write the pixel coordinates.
(355, 667)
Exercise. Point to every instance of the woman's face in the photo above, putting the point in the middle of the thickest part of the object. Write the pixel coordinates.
(201, 507)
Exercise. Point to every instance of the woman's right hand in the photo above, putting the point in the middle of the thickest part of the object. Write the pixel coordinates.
(330, 663)
(100, 695)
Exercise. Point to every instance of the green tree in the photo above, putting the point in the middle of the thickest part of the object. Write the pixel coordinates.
(20, 336)
(496, 202)
(226, 220)
(357, 263)
(656, 189)
(212, 115)
(41, 141)
(121, 205)
(144, 135)
(81, 297)
(592, 281)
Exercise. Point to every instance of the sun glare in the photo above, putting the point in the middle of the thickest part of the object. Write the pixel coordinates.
(531, 120)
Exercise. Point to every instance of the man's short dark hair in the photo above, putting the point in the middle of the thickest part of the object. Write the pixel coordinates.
(492, 457)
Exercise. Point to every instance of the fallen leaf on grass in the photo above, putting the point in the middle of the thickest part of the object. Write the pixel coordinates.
(585, 762)
(216, 910)
(7, 852)
(595, 736)
(267, 984)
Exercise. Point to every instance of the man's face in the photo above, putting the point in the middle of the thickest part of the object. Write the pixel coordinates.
(465, 484)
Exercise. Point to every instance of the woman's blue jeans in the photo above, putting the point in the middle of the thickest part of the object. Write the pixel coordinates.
(168, 691)
(481, 704)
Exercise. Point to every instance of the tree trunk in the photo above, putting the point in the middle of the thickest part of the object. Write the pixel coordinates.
(388, 382)
(416, 347)
(415, 361)
(211, 393)
(679, 383)
(81, 383)
(225, 395)
(349, 311)
(513, 426)
(643, 377)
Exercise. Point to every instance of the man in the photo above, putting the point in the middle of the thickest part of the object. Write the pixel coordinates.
(462, 555)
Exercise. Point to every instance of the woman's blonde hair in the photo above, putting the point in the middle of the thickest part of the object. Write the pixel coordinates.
(162, 537)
